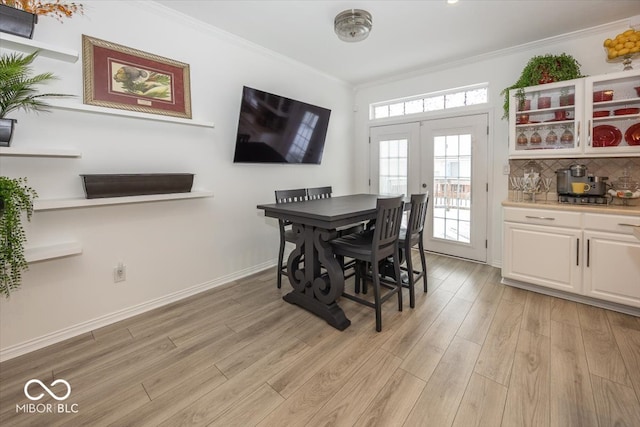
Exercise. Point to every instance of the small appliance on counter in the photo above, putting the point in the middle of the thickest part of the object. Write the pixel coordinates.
(575, 185)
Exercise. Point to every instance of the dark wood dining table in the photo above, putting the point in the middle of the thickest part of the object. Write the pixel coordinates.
(319, 280)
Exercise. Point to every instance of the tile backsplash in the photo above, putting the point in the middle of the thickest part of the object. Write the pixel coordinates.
(611, 167)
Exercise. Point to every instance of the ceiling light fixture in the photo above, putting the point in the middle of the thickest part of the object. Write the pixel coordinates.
(353, 25)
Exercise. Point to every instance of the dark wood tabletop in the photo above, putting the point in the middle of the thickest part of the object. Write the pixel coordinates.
(328, 213)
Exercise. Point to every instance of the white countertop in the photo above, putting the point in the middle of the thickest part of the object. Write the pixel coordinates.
(602, 209)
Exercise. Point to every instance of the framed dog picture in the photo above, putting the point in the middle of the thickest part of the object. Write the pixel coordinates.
(120, 77)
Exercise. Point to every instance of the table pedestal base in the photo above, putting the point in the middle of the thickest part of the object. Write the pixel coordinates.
(316, 290)
(331, 313)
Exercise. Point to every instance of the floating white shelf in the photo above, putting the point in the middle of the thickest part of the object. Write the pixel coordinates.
(38, 152)
(126, 113)
(51, 204)
(41, 253)
(9, 41)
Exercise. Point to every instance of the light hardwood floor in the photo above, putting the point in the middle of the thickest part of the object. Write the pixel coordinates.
(472, 353)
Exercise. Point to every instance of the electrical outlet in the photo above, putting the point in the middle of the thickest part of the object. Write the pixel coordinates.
(119, 273)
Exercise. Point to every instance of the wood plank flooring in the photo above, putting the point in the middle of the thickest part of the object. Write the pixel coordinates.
(471, 353)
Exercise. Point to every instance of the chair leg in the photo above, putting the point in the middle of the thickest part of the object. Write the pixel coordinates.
(280, 261)
(412, 293)
(358, 268)
(376, 295)
(365, 270)
(396, 265)
(423, 261)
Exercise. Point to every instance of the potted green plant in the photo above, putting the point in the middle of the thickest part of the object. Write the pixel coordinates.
(16, 200)
(18, 90)
(540, 70)
(19, 17)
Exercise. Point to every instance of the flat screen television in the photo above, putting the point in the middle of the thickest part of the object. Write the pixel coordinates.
(275, 129)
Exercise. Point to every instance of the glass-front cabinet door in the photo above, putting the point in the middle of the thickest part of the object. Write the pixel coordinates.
(547, 121)
(612, 113)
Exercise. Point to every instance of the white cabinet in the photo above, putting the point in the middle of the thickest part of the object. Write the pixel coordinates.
(542, 255)
(613, 126)
(612, 258)
(593, 255)
(549, 124)
(597, 116)
(543, 247)
(612, 268)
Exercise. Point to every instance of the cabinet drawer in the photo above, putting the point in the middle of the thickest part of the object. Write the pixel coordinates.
(613, 223)
(552, 218)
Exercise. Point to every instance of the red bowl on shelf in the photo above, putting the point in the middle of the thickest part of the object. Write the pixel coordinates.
(603, 95)
(625, 111)
(601, 113)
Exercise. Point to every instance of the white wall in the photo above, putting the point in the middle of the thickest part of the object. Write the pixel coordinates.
(170, 248)
(500, 70)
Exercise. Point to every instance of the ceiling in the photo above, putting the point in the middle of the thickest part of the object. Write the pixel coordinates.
(406, 35)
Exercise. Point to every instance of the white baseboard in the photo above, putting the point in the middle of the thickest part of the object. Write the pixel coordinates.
(81, 328)
(633, 311)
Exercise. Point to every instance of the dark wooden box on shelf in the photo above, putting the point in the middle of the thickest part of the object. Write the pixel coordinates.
(17, 22)
(119, 185)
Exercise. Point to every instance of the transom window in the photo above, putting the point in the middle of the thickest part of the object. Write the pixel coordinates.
(435, 101)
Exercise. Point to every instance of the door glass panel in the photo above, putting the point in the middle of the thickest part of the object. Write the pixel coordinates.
(393, 166)
(452, 187)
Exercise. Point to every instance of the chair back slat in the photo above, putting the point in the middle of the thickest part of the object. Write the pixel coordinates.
(417, 215)
(387, 228)
(290, 196)
(319, 193)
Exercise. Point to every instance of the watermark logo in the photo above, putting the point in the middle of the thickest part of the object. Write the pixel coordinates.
(47, 389)
(47, 408)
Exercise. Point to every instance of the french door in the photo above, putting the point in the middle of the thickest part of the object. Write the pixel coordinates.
(447, 158)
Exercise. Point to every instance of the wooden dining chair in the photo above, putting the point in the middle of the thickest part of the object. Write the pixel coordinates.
(319, 193)
(370, 248)
(412, 236)
(286, 233)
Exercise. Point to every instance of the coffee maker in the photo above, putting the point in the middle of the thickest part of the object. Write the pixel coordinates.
(576, 185)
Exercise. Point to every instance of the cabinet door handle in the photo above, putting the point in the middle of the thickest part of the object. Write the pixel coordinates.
(578, 252)
(589, 132)
(588, 251)
(578, 139)
(628, 225)
(546, 218)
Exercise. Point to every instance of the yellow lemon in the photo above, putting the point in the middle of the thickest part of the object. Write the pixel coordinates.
(608, 42)
(619, 46)
(629, 45)
(612, 54)
(628, 32)
(623, 52)
(635, 49)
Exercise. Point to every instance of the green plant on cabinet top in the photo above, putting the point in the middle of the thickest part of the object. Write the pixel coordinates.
(540, 70)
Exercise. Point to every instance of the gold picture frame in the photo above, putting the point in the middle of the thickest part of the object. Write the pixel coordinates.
(121, 77)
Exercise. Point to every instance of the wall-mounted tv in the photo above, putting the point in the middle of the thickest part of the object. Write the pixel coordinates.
(275, 129)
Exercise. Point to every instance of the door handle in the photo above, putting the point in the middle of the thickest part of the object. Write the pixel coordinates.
(424, 185)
